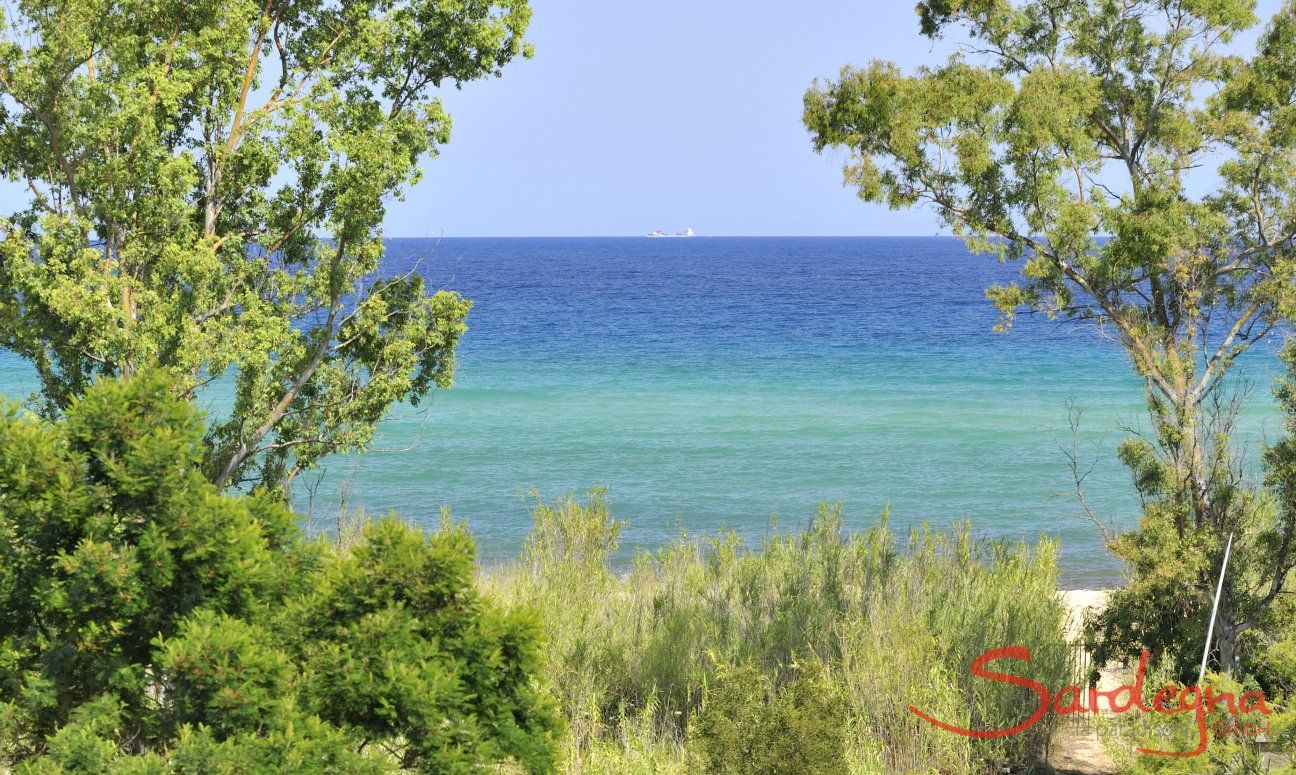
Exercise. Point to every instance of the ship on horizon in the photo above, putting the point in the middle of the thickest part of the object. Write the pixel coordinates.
(659, 233)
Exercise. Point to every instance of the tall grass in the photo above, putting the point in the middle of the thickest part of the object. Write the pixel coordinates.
(632, 656)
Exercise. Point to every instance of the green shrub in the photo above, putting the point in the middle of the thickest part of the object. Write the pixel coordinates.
(152, 624)
(746, 726)
(892, 624)
(1232, 748)
(572, 537)
(1277, 666)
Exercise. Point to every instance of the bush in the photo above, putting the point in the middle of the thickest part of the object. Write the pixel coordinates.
(1232, 749)
(631, 655)
(152, 624)
(746, 726)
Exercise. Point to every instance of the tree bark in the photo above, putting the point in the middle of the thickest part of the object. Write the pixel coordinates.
(1226, 644)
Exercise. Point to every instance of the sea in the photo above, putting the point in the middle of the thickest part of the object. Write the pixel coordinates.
(727, 383)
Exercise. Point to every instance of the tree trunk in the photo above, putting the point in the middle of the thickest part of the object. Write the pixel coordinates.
(1189, 463)
(1227, 635)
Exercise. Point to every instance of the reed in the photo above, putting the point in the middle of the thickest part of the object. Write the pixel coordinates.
(632, 656)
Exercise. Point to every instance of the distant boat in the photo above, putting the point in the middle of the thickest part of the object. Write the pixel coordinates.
(659, 233)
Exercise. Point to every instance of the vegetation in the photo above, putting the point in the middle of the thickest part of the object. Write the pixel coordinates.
(806, 650)
(748, 726)
(157, 625)
(154, 625)
(208, 181)
(1063, 138)
(1233, 747)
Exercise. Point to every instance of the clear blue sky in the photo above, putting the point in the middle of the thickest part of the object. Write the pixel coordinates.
(675, 113)
(664, 115)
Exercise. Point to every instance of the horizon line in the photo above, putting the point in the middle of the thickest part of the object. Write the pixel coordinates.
(695, 236)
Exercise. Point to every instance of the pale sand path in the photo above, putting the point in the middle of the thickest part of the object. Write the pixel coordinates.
(1076, 749)
(1081, 602)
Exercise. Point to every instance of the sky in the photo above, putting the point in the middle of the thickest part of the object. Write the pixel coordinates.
(665, 115)
(637, 116)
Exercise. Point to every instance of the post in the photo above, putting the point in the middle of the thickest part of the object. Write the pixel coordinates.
(1210, 630)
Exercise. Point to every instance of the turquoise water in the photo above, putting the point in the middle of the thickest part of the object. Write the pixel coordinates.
(718, 382)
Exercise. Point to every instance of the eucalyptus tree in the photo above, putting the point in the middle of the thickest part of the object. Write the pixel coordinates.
(206, 182)
(1070, 136)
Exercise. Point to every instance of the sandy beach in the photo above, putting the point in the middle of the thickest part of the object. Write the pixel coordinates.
(1080, 603)
(1076, 749)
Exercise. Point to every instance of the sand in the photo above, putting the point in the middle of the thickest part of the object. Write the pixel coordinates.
(1076, 749)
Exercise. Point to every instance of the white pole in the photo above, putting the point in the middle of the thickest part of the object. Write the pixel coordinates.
(1210, 631)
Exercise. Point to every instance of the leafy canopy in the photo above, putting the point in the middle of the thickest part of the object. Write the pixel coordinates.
(207, 183)
(154, 624)
(1063, 136)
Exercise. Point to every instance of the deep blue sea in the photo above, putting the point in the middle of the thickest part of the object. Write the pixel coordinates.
(727, 382)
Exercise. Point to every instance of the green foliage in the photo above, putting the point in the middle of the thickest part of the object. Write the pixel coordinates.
(1062, 139)
(1173, 564)
(397, 643)
(746, 726)
(1277, 665)
(1232, 747)
(633, 657)
(208, 182)
(572, 539)
(155, 625)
